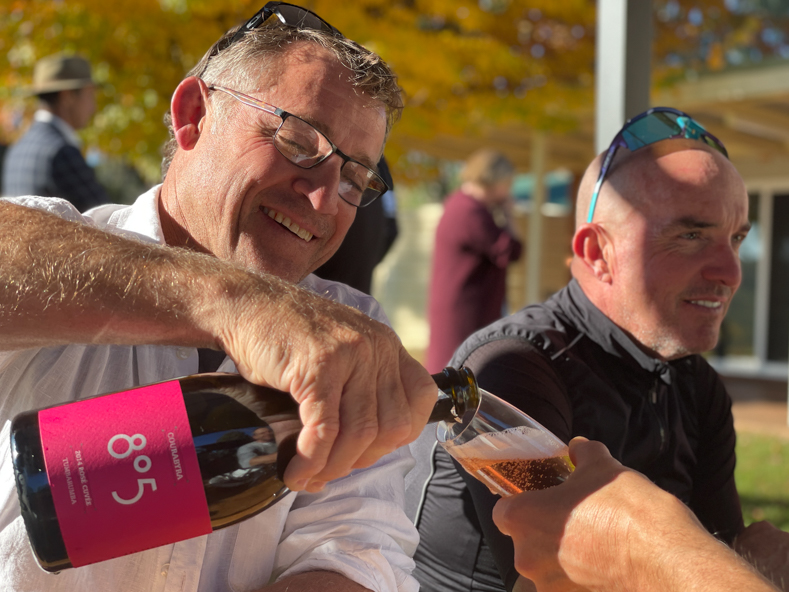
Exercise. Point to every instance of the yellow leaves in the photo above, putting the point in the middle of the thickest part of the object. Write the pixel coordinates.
(715, 60)
(465, 65)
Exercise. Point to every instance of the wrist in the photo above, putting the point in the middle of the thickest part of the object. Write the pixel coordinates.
(677, 554)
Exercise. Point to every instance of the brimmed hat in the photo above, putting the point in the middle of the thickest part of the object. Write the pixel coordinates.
(60, 72)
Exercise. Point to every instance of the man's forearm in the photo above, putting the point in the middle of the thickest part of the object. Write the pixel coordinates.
(67, 283)
(64, 282)
(609, 529)
(703, 564)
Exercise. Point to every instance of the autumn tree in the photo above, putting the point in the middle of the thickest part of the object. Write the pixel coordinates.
(465, 65)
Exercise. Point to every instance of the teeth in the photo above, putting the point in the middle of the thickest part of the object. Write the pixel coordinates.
(287, 223)
(707, 303)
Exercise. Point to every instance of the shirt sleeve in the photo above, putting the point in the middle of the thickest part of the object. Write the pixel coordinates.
(356, 527)
(54, 205)
(715, 500)
(514, 371)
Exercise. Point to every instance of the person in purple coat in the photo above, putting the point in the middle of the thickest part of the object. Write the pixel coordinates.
(474, 244)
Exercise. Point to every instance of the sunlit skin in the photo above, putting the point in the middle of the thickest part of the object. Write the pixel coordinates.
(661, 257)
(256, 181)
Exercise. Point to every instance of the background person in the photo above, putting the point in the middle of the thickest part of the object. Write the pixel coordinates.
(614, 356)
(609, 529)
(219, 256)
(47, 160)
(474, 244)
(260, 451)
(369, 239)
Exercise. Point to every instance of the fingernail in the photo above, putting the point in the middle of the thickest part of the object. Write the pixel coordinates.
(301, 484)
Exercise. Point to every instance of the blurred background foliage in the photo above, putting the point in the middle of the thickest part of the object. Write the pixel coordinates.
(465, 65)
(762, 476)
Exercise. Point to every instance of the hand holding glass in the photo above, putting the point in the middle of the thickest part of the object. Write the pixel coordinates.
(506, 449)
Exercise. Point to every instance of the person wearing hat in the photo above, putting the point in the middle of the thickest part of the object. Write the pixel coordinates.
(47, 160)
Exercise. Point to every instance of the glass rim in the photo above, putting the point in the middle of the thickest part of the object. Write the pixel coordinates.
(464, 422)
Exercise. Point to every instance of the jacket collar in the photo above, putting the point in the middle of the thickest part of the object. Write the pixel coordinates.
(573, 303)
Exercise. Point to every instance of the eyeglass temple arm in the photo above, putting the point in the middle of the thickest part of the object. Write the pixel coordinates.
(603, 171)
(247, 100)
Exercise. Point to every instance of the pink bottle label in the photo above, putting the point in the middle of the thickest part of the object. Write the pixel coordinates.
(124, 473)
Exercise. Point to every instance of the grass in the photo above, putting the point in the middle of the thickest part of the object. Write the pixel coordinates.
(762, 476)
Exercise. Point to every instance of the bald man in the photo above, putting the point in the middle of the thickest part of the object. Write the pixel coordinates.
(614, 356)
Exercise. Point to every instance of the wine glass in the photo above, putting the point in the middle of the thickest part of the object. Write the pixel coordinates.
(505, 449)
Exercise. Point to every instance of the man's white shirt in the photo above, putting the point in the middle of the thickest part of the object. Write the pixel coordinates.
(356, 526)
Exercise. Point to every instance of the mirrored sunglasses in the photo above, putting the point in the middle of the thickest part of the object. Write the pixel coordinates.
(654, 125)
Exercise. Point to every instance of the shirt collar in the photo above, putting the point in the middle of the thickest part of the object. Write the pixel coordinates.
(71, 136)
(139, 220)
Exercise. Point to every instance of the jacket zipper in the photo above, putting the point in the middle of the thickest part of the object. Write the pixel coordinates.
(661, 425)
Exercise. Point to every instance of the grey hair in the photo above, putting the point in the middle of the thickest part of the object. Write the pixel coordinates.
(239, 65)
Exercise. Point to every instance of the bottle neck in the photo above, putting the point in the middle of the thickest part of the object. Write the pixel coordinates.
(458, 394)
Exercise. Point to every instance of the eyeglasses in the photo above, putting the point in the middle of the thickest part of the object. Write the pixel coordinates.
(288, 14)
(306, 147)
(654, 125)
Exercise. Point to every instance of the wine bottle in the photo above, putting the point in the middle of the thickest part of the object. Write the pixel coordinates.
(124, 472)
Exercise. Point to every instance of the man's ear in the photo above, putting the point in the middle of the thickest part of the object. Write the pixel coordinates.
(188, 110)
(591, 246)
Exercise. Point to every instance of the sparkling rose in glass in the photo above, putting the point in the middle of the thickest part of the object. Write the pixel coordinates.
(505, 449)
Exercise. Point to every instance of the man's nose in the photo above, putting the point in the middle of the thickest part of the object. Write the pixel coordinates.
(724, 266)
(321, 185)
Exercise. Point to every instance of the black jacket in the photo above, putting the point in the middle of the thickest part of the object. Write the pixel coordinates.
(568, 366)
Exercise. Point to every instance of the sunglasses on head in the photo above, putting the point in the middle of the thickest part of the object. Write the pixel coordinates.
(654, 125)
(289, 15)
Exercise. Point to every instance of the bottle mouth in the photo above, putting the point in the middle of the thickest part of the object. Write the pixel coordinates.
(448, 431)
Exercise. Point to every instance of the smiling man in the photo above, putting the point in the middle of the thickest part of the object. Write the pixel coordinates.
(274, 140)
(614, 355)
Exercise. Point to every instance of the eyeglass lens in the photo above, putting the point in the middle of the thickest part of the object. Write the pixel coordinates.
(304, 146)
(661, 125)
(295, 16)
(652, 128)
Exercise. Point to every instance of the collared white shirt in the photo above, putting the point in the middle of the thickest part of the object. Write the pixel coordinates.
(356, 526)
(70, 134)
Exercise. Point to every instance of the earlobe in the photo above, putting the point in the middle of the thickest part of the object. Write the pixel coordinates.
(591, 246)
(188, 110)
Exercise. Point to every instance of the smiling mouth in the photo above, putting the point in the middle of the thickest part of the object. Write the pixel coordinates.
(282, 220)
(707, 303)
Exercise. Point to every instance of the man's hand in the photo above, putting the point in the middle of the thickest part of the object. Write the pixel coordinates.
(361, 394)
(766, 548)
(553, 530)
(608, 528)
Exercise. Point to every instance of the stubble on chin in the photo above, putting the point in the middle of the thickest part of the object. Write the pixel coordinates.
(673, 344)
